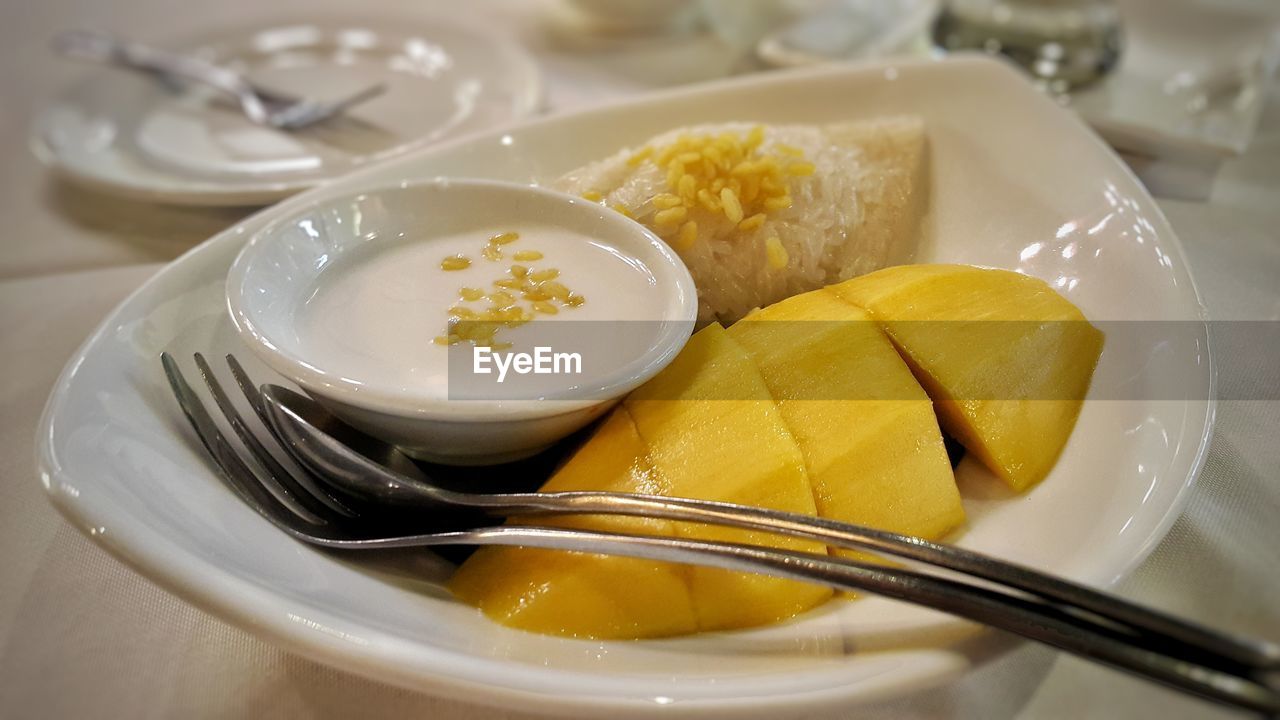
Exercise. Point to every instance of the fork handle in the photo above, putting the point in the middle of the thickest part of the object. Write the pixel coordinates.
(1190, 641)
(1041, 622)
(103, 48)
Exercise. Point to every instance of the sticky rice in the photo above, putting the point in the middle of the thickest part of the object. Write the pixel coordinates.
(761, 213)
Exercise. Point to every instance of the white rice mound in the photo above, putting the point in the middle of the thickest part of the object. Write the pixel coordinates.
(861, 210)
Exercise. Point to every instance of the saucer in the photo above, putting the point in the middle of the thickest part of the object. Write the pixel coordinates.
(133, 136)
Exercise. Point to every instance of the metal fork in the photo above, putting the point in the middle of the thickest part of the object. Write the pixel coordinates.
(261, 106)
(1191, 658)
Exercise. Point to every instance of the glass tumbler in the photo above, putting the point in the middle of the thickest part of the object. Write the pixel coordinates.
(1064, 44)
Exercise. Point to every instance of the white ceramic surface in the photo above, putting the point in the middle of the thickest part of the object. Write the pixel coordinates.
(1017, 182)
(628, 15)
(126, 134)
(1192, 79)
(850, 30)
(285, 265)
(1190, 85)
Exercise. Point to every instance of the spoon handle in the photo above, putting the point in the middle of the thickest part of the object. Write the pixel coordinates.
(105, 49)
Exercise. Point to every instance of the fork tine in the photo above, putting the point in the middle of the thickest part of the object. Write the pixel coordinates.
(302, 484)
(234, 472)
(308, 112)
(247, 388)
(355, 98)
(282, 484)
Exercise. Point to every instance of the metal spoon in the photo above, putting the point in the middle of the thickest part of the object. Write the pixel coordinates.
(259, 105)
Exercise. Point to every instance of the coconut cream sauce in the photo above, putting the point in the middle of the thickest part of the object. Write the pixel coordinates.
(377, 314)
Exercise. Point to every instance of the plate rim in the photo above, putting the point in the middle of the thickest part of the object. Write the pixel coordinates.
(218, 599)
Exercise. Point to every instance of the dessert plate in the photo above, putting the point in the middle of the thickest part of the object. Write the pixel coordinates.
(1017, 182)
(130, 135)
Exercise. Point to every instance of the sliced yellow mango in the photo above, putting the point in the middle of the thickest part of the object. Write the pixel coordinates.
(1006, 359)
(578, 594)
(713, 432)
(866, 429)
(813, 405)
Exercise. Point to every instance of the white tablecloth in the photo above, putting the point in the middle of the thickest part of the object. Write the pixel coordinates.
(82, 636)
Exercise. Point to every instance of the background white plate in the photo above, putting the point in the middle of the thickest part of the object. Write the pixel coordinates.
(1191, 83)
(127, 134)
(1192, 80)
(1017, 182)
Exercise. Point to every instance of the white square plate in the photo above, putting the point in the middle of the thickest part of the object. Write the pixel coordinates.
(1017, 182)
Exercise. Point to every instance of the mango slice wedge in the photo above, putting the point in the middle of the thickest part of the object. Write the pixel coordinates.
(1006, 359)
(713, 432)
(706, 427)
(866, 429)
(578, 594)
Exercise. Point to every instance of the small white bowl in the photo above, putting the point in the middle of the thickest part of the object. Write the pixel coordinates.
(283, 265)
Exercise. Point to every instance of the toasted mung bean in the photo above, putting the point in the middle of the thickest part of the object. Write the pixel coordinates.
(775, 252)
(671, 215)
(732, 207)
(688, 235)
(752, 222)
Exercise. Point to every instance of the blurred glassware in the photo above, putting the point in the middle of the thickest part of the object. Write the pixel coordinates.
(1064, 44)
(741, 23)
(1188, 90)
(850, 30)
(631, 17)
